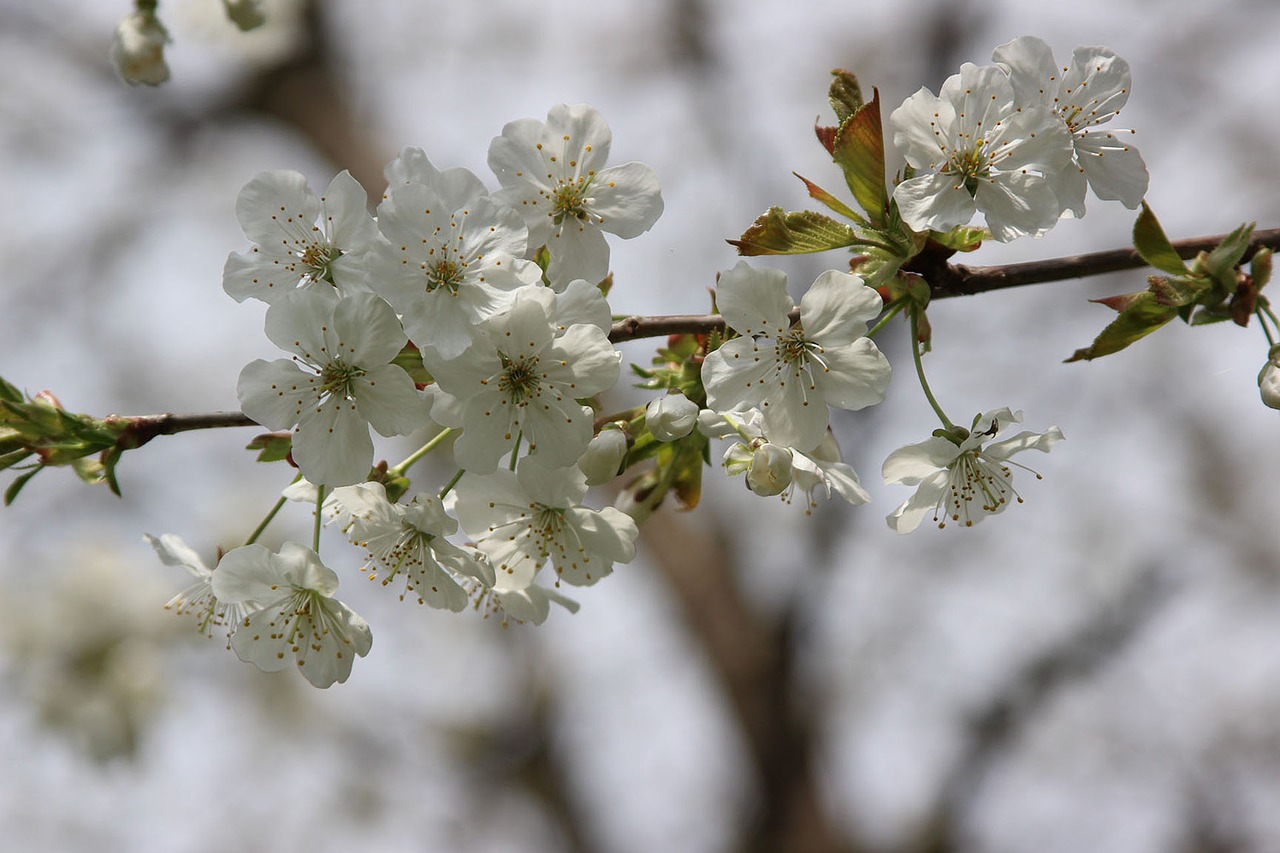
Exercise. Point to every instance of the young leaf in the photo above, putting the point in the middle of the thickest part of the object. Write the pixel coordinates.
(831, 201)
(1140, 315)
(845, 94)
(776, 232)
(1154, 247)
(859, 152)
(273, 446)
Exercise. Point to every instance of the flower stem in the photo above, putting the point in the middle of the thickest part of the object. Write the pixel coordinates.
(924, 383)
(894, 309)
(1262, 321)
(315, 531)
(448, 487)
(422, 451)
(515, 452)
(257, 531)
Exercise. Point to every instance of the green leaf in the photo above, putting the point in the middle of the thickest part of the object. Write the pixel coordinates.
(859, 152)
(1140, 315)
(831, 201)
(1260, 268)
(410, 360)
(845, 94)
(962, 238)
(16, 486)
(1154, 247)
(9, 392)
(1225, 257)
(776, 232)
(274, 447)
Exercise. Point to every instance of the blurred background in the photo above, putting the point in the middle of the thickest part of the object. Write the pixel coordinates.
(1097, 669)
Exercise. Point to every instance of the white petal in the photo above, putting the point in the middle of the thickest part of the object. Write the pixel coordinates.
(911, 464)
(626, 200)
(578, 250)
(934, 202)
(836, 309)
(754, 301)
(1018, 205)
(389, 401)
(276, 207)
(368, 330)
(301, 322)
(332, 446)
(344, 209)
(856, 376)
(276, 393)
(1031, 67)
(908, 516)
(1114, 168)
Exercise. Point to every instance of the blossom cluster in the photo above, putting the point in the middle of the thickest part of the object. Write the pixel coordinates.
(483, 313)
(1019, 141)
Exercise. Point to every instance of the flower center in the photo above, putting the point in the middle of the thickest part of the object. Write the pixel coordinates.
(975, 486)
(337, 379)
(318, 258)
(445, 274)
(519, 378)
(568, 200)
(971, 165)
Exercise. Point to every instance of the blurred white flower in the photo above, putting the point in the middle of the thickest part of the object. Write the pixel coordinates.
(1269, 385)
(137, 50)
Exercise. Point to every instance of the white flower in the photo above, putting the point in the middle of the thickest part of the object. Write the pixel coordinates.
(793, 374)
(1083, 95)
(604, 455)
(671, 417)
(409, 540)
(523, 376)
(338, 384)
(137, 50)
(962, 481)
(553, 175)
(449, 256)
(526, 604)
(1269, 385)
(278, 213)
(295, 615)
(772, 469)
(522, 518)
(197, 598)
(974, 149)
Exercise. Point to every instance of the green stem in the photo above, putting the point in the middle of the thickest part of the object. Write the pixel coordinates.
(315, 531)
(448, 487)
(924, 383)
(253, 537)
(894, 309)
(1262, 321)
(515, 452)
(422, 451)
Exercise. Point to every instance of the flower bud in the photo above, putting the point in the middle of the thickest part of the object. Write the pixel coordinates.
(770, 471)
(603, 456)
(138, 49)
(1269, 385)
(671, 417)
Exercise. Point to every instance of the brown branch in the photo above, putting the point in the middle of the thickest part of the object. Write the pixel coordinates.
(143, 428)
(947, 280)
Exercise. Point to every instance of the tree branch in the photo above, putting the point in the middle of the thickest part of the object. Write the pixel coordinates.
(947, 280)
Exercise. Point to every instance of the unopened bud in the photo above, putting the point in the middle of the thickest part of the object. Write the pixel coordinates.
(671, 417)
(770, 471)
(1269, 385)
(603, 456)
